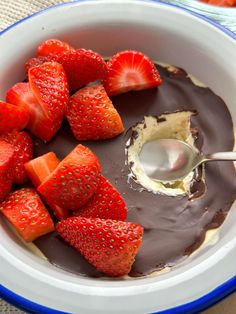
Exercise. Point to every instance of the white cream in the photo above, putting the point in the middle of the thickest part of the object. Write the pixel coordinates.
(174, 125)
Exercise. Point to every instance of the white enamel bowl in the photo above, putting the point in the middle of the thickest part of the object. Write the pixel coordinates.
(165, 33)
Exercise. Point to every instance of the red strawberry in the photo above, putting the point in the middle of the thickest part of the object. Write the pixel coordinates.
(106, 203)
(23, 146)
(21, 95)
(225, 3)
(46, 97)
(34, 62)
(6, 165)
(74, 181)
(40, 168)
(26, 212)
(12, 117)
(59, 211)
(53, 46)
(82, 67)
(92, 116)
(130, 70)
(109, 245)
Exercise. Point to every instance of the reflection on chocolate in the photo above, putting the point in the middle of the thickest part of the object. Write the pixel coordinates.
(174, 226)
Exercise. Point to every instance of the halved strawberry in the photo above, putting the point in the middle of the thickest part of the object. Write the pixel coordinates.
(92, 115)
(49, 85)
(74, 181)
(34, 62)
(82, 67)
(26, 212)
(130, 70)
(6, 168)
(38, 169)
(106, 203)
(12, 117)
(21, 95)
(109, 245)
(53, 46)
(46, 96)
(59, 212)
(23, 146)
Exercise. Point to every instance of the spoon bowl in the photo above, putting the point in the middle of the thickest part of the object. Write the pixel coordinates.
(172, 159)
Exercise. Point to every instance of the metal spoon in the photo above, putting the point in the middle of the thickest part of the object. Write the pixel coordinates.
(171, 159)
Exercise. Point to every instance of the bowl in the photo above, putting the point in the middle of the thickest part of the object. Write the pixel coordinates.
(172, 35)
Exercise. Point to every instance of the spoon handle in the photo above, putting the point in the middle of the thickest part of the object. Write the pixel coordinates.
(221, 156)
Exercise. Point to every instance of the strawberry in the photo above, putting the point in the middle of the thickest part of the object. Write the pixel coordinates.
(34, 62)
(12, 117)
(92, 115)
(82, 67)
(26, 212)
(60, 212)
(130, 70)
(53, 46)
(23, 146)
(106, 203)
(46, 96)
(225, 3)
(21, 95)
(40, 168)
(6, 164)
(74, 181)
(109, 245)
(49, 86)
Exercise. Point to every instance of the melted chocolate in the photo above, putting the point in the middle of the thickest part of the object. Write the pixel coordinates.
(174, 226)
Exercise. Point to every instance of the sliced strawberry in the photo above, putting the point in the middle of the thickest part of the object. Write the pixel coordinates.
(82, 67)
(106, 203)
(21, 94)
(109, 245)
(92, 115)
(46, 96)
(23, 146)
(26, 212)
(130, 70)
(74, 181)
(49, 86)
(34, 62)
(12, 117)
(53, 46)
(40, 168)
(59, 211)
(6, 168)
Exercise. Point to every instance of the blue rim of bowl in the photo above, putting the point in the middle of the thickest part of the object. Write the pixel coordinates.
(194, 307)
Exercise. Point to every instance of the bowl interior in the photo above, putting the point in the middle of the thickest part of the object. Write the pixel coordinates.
(165, 34)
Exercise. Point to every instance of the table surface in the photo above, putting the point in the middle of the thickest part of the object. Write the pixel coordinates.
(11, 11)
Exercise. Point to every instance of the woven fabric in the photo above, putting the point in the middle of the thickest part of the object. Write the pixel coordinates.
(14, 10)
(6, 308)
